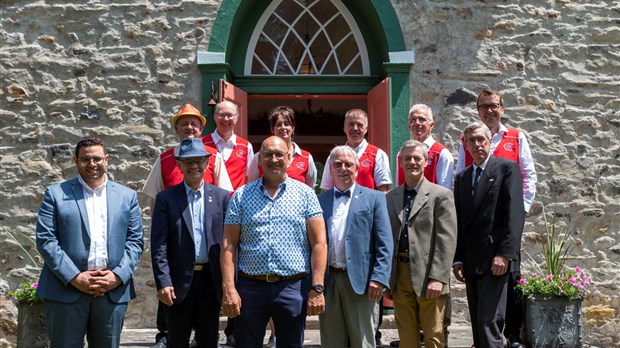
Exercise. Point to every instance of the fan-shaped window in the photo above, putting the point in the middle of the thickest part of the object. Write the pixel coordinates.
(306, 37)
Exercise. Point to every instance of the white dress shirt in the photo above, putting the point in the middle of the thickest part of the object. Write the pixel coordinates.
(96, 201)
(338, 224)
(225, 148)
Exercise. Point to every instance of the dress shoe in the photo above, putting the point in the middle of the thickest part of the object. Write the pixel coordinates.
(395, 343)
(193, 343)
(162, 343)
(272, 342)
(230, 340)
(515, 342)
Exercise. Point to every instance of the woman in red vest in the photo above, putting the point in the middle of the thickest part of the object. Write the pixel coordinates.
(301, 168)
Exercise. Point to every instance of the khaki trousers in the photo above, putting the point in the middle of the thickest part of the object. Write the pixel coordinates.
(412, 312)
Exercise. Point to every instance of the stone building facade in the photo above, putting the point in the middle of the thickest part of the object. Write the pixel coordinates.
(120, 69)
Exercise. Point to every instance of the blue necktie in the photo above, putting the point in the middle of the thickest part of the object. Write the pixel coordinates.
(339, 194)
(477, 178)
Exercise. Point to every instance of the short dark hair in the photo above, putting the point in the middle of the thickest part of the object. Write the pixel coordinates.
(281, 110)
(88, 141)
(489, 92)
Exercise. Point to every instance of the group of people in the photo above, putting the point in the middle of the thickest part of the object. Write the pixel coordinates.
(247, 235)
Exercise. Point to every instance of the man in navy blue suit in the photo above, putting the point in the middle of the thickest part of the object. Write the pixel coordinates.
(89, 233)
(186, 234)
(360, 249)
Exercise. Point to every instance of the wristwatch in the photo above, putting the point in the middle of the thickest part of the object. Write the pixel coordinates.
(319, 288)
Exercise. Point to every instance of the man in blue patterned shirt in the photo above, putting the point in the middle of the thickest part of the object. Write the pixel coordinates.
(274, 237)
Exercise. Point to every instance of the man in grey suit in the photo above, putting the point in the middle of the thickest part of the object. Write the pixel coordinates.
(89, 233)
(489, 205)
(360, 255)
(186, 234)
(423, 220)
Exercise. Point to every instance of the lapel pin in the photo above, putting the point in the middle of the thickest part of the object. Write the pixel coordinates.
(210, 199)
(491, 179)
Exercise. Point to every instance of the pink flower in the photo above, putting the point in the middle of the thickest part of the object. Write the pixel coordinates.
(586, 280)
(579, 285)
(572, 280)
(522, 281)
(578, 270)
(549, 277)
(34, 285)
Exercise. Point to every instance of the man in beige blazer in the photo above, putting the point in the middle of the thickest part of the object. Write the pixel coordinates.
(423, 220)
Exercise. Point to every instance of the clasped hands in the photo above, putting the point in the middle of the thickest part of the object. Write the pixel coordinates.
(96, 283)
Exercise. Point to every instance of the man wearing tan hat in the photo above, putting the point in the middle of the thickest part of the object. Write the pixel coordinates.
(187, 123)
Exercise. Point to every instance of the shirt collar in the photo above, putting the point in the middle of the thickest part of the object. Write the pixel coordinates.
(417, 186)
(188, 189)
(429, 142)
(296, 149)
(483, 165)
(352, 189)
(98, 188)
(361, 146)
(217, 138)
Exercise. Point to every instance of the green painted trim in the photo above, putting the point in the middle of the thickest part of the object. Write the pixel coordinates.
(399, 131)
(306, 84)
(390, 24)
(223, 25)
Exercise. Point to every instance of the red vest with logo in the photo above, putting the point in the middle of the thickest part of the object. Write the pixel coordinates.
(507, 148)
(298, 169)
(366, 172)
(236, 163)
(172, 175)
(430, 172)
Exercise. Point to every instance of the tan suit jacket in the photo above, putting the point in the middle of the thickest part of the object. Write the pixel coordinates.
(432, 234)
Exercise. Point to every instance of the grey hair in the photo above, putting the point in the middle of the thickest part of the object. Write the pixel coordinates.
(414, 144)
(343, 150)
(477, 125)
(421, 108)
(356, 113)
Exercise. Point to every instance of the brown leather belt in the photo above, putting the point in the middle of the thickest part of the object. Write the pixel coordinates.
(272, 278)
(401, 257)
(199, 266)
(337, 269)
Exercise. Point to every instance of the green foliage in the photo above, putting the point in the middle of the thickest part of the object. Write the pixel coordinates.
(26, 293)
(569, 283)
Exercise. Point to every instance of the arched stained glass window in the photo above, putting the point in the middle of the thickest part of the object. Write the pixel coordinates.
(306, 37)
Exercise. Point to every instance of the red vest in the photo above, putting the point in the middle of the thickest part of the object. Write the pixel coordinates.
(366, 172)
(507, 148)
(172, 175)
(236, 163)
(430, 172)
(298, 169)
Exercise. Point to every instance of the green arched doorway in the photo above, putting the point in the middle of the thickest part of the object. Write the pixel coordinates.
(381, 86)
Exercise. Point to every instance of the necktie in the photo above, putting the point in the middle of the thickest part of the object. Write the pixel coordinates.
(339, 194)
(477, 178)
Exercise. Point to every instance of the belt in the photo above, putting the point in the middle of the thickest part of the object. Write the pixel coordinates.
(199, 266)
(272, 278)
(402, 257)
(337, 269)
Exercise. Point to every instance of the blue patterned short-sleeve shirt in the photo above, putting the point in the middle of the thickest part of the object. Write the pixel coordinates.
(274, 237)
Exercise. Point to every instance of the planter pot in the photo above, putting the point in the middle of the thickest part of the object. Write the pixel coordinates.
(31, 326)
(552, 322)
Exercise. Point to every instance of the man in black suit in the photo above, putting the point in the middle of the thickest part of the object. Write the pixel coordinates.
(186, 234)
(489, 204)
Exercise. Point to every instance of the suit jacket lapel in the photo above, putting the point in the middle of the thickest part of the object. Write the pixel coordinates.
(184, 206)
(420, 198)
(487, 178)
(78, 195)
(111, 213)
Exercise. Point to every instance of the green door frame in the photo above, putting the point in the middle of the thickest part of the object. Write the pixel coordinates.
(382, 35)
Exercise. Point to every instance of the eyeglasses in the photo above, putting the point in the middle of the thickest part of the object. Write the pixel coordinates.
(269, 155)
(223, 116)
(338, 165)
(191, 162)
(476, 140)
(492, 107)
(418, 120)
(87, 160)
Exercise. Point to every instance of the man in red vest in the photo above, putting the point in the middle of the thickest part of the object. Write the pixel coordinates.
(440, 166)
(187, 123)
(509, 143)
(236, 151)
(374, 170)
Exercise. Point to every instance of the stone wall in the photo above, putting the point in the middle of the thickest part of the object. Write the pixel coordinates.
(120, 69)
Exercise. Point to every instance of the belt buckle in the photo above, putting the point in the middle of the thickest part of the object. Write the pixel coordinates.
(275, 278)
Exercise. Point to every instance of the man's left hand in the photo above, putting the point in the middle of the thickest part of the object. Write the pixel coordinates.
(500, 265)
(375, 291)
(316, 303)
(434, 289)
